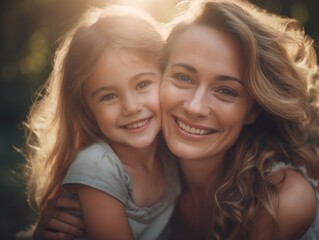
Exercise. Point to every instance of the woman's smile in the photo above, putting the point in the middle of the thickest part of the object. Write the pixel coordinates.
(192, 129)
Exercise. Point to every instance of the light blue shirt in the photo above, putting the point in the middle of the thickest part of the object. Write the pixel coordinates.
(99, 167)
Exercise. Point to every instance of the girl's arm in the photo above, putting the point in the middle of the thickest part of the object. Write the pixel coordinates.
(104, 216)
(296, 210)
(56, 222)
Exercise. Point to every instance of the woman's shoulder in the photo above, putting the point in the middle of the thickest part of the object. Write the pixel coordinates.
(294, 189)
(297, 202)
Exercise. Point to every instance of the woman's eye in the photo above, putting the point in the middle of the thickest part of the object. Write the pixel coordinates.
(228, 92)
(108, 97)
(142, 85)
(183, 77)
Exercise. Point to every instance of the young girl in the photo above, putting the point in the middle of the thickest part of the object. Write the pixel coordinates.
(95, 129)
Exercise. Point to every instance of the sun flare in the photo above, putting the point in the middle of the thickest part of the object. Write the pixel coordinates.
(163, 10)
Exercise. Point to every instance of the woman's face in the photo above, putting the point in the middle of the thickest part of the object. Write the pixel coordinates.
(204, 102)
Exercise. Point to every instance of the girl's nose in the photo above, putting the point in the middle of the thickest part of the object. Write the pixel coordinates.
(131, 105)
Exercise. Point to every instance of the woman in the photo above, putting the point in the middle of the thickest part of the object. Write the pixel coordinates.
(235, 110)
(239, 103)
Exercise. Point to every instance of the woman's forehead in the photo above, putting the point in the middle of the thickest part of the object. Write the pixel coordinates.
(203, 46)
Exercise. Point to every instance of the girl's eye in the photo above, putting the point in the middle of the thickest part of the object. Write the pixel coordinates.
(108, 97)
(142, 85)
(228, 92)
(183, 78)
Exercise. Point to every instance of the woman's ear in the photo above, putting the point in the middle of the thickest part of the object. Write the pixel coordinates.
(253, 115)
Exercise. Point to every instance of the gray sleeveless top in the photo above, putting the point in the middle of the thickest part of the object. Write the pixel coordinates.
(313, 232)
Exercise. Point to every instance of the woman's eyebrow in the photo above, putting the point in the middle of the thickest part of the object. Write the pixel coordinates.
(219, 77)
(228, 78)
(187, 66)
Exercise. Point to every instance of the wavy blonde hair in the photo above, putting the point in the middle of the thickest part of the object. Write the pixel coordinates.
(281, 73)
(59, 123)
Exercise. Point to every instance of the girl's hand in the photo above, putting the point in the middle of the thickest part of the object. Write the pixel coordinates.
(56, 222)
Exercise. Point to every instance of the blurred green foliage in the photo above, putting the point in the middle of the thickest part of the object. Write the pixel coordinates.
(29, 32)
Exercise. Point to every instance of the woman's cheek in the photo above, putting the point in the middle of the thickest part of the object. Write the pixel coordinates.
(168, 95)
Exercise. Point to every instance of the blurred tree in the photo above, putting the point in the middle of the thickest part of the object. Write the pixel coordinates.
(29, 32)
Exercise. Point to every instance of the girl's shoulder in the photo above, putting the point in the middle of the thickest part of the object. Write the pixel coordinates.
(98, 149)
(98, 166)
(98, 157)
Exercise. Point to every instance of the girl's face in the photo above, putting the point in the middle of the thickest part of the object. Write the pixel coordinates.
(123, 95)
(204, 102)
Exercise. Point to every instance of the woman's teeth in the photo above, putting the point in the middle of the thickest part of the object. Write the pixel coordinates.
(193, 130)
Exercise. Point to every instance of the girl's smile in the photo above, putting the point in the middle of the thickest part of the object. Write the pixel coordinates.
(125, 103)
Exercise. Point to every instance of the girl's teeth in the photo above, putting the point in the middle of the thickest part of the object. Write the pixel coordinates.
(137, 125)
(192, 130)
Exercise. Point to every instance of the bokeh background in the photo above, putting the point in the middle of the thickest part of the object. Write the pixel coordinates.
(29, 30)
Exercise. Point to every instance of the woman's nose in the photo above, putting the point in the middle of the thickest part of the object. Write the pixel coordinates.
(198, 104)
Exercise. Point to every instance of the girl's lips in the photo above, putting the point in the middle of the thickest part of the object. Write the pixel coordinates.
(137, 124)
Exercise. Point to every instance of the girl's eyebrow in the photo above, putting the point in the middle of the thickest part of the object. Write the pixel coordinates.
(137, 76)
(101, 89)
(219, 77)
